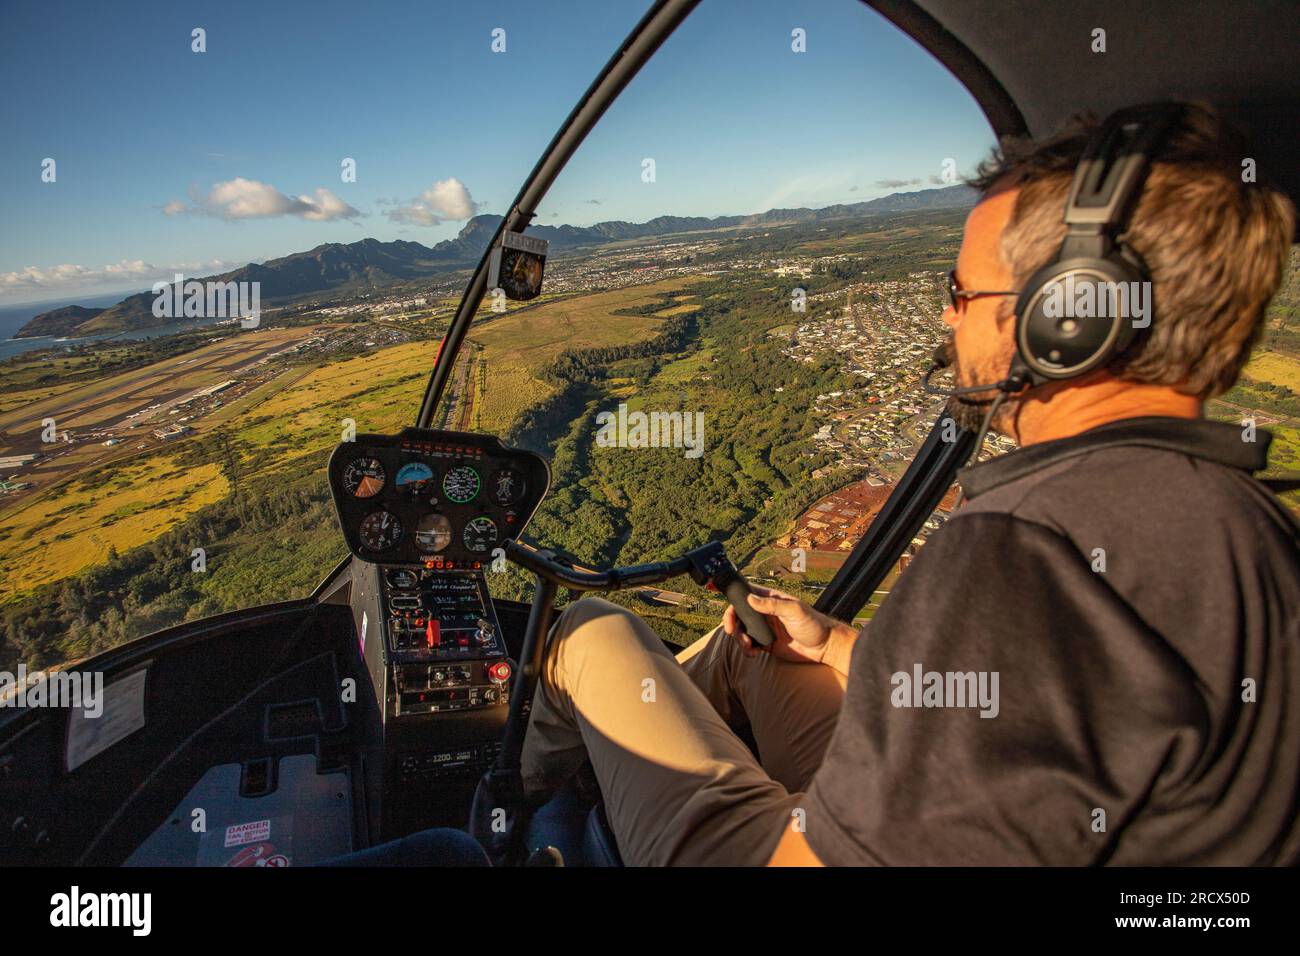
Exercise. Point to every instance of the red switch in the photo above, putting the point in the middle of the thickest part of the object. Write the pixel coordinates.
(499, 672)
(433, 633)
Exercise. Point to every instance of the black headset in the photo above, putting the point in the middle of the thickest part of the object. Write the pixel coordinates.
(1102, 197)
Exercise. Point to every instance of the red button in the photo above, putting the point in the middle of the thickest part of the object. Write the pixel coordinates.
(499, 672)
(433, 633)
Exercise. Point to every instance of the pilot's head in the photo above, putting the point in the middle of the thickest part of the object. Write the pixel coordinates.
(1216, 245)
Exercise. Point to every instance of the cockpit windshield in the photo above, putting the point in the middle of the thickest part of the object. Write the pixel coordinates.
(742, 292)
(742, 288)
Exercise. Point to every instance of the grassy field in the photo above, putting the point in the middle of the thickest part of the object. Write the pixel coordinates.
(26, 372)
(1284, 452)
(677, 310)
(1276, 368)
(23, 397)
(118, 507)
(517, 345)
(98, 401)
(684, 369)
(380, 392)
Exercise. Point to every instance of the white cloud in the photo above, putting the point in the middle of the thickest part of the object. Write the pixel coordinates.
(445, 199)
(241, 198)
(129, 273)
(324, 206)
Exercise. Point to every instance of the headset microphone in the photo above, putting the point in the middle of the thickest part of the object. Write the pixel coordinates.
(1016, 380)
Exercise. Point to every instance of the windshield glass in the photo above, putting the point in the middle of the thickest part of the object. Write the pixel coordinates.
(743, 285)
(162, 454)
(742, 293)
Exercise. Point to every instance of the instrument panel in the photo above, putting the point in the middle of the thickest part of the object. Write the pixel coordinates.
(444, 641)
(434, 498)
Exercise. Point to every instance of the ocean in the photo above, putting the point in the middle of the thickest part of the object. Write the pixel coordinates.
(14, 317)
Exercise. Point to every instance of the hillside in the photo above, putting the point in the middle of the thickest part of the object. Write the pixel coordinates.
(58, 321)
(371, 263)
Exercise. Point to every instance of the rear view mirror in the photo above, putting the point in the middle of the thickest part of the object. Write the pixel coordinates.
(516, 266)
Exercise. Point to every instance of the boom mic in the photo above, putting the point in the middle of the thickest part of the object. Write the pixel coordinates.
(1017, 377)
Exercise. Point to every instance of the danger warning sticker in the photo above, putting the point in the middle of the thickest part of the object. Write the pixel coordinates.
(242, 833)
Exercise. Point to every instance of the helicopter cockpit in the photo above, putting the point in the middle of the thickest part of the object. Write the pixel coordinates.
(394, 699)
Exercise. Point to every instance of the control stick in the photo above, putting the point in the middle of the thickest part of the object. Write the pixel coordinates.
(711, 568)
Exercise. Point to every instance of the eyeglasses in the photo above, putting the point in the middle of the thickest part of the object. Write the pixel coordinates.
(957, 294)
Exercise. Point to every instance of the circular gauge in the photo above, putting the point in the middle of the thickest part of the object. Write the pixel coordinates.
(480, 534)
(402, 578)
(380, 530)
(413, 476)
(507, 487)
(461, 484)
(364, 478)
(433, 533)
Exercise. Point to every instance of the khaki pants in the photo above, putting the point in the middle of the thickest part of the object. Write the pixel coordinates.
(680, 787)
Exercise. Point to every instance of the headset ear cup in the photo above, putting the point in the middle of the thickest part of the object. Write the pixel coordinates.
(1134, 272)
(1054, 342)
(1109, 177)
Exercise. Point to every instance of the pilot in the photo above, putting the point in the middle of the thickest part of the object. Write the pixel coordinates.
(1095, 660)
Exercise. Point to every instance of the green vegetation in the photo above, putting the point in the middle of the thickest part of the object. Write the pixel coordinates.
(626, 505)
(109, 556)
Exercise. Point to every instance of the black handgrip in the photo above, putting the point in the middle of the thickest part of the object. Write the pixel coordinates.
(756, 626)
(710, 566)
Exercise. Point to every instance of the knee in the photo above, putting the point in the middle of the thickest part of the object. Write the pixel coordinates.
(592, 616)
(586, 610)
(594, 625)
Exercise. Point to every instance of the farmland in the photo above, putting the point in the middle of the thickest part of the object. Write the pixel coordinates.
(94, 500)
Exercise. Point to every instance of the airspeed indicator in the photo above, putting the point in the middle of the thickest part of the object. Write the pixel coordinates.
(461, 484)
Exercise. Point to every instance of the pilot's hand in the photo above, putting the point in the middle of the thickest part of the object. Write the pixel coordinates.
(802, 633)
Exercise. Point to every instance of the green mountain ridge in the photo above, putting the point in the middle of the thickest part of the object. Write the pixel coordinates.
(370, 263)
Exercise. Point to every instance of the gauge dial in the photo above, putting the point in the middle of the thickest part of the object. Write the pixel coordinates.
(364, 478)
(480, 534)
(402, 578)
(507, 487)
(380, 531)
(414, 476)
(433, 533)
(461, 484)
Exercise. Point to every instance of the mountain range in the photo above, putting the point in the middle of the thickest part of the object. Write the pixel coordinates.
(371, 263)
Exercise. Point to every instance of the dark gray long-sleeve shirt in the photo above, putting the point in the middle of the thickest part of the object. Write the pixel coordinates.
(1123, 606)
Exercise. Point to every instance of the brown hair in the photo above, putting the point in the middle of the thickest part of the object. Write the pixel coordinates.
(1216, 246)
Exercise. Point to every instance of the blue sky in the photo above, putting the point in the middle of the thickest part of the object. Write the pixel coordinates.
(145, 131)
